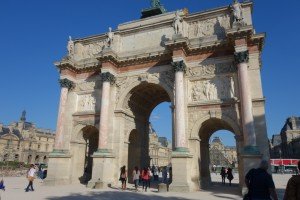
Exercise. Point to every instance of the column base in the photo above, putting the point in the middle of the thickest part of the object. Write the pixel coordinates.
(103, 170)
(59, 172)
(250, 161)
(181, 162)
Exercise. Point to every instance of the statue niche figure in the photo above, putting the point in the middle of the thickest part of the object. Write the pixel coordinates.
(177, 23)
(110, 37)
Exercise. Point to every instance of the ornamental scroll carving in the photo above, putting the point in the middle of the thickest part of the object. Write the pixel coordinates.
(86, 103)
(212, 70)
(220, 88)
(209, 27)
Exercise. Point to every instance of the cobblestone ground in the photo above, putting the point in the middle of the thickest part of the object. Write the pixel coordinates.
(15, 190)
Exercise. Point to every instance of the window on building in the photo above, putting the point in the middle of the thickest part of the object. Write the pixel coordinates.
(39, 146)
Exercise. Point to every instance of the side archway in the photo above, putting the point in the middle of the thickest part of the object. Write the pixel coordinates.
(203, 129)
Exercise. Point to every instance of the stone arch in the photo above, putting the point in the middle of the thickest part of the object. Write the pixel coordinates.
(84, 143)
(124, 94)
(197, 126)
(203, 130)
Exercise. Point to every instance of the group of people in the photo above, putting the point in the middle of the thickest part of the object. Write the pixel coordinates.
(145, 176)
(226, 173)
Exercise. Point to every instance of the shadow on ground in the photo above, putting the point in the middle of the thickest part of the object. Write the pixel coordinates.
(221, 191)
(109, 195)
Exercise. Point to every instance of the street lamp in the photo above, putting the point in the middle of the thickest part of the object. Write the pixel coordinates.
(281, 161)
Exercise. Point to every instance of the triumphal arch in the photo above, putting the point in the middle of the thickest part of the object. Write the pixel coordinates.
(206, 64)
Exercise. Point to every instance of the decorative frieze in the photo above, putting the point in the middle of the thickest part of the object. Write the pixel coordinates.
(209, 27)
(241, 57)
(211, 70)
(179, 66)
(108, 77)
(66, 83)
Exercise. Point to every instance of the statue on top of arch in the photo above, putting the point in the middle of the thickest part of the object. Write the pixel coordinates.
(110, 37)
(237, 13)
(178, 23)
(155, 3)
(70, 47)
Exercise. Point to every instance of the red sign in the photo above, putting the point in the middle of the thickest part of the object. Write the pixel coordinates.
(277, 162)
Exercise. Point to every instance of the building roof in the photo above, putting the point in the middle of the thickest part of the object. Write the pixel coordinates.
(5, 130)
(291, 123)
(276, 140)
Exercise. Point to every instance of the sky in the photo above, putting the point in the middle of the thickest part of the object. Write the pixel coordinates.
(34, 34)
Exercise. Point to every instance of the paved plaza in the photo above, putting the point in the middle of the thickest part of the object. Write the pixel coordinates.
(15, 190)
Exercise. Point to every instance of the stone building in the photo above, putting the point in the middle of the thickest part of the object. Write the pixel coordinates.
(22, 141)
(287, 143)
(159, 149)
(221, 155)
(206, 64)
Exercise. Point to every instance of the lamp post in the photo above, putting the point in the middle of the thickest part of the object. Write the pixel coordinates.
(281, 161)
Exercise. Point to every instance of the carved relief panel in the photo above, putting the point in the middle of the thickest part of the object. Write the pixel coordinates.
(86, 102)
(217, 88)
(89, 50)
(209, 27)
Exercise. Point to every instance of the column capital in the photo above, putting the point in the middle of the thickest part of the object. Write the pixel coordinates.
(66, 83)
(241, 57)
(179, 66)
(108, 77)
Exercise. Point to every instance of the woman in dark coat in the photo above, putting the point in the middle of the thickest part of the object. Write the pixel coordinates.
(229, 175)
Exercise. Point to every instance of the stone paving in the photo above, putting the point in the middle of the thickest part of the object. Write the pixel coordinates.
(15, 190)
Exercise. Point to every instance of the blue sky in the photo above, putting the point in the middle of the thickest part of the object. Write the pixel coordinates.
(34, 34)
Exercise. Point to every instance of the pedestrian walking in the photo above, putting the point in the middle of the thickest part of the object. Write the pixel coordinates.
(260, 184)
(145, 178)
(229, 175)
(150, 176)
(155, 174)
(30, 177)
(136, 177)
(123, 177)
(2, 186)
(223, 175)
(292, 191)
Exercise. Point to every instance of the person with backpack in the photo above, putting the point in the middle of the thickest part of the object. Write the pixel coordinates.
(260, 183)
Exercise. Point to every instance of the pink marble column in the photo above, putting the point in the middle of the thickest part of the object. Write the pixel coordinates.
(107, 79)
(180, 137)
(241, 59)
(66, 85)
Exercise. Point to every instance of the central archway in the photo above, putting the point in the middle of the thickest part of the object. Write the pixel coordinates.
(140, 102)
